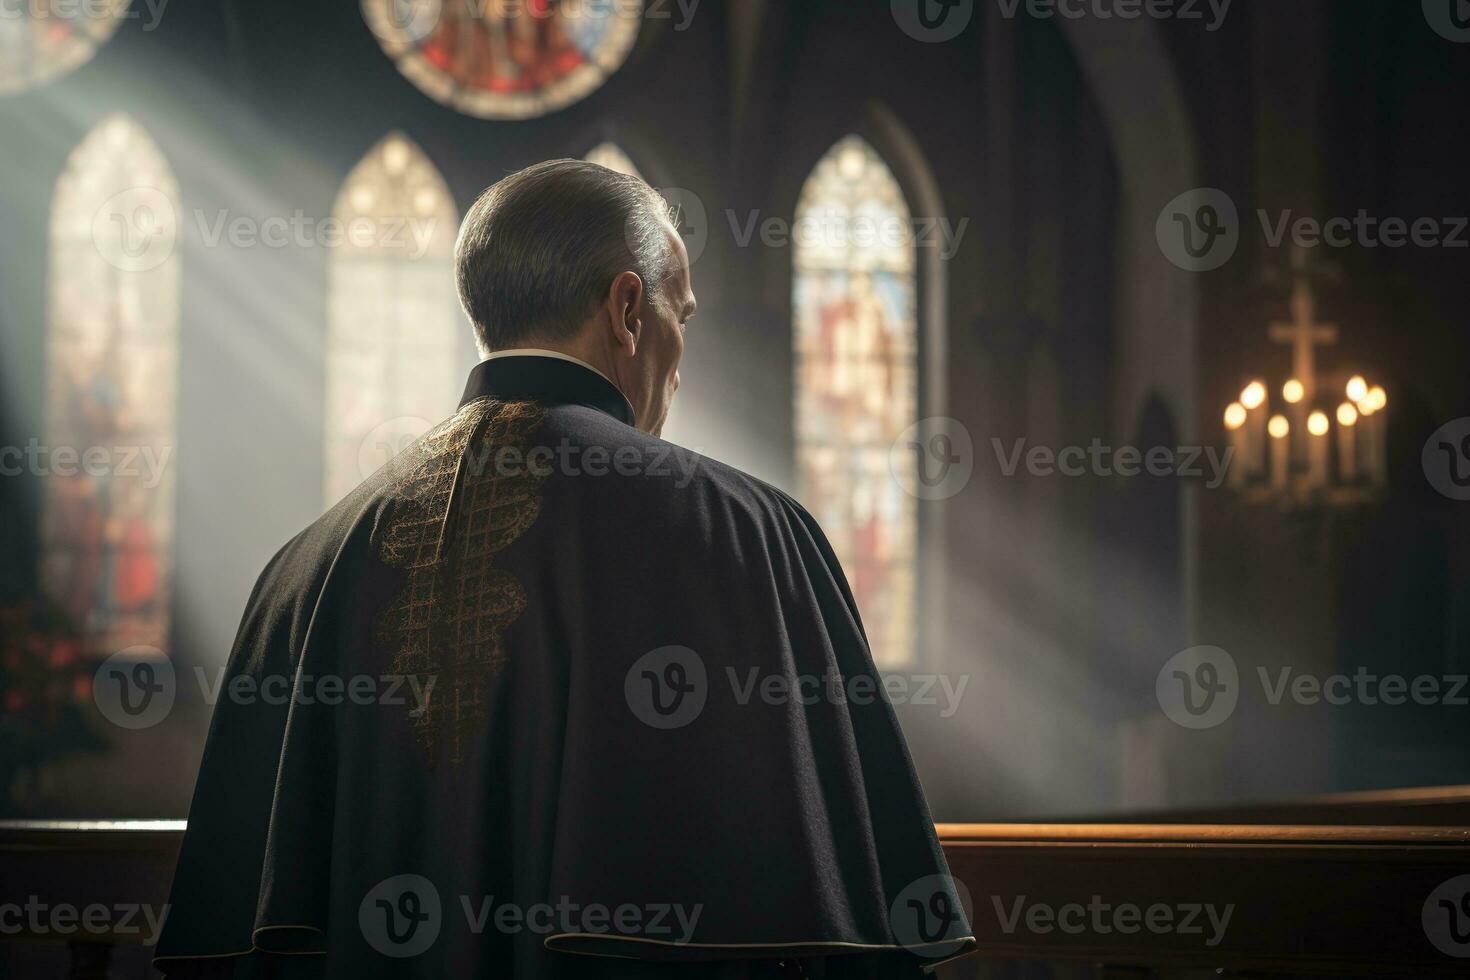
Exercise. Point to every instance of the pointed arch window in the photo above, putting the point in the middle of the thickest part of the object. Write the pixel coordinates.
(396, 353)
(856, 352)
(112, 349)
(613, 157)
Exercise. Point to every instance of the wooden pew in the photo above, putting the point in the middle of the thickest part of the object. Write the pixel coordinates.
(1339, 899)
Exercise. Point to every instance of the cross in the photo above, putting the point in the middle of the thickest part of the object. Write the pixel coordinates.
(1303, 333)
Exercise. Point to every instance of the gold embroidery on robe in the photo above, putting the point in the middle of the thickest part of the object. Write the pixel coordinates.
(462, 496)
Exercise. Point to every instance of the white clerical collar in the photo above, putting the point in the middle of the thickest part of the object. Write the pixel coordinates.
(538, 352)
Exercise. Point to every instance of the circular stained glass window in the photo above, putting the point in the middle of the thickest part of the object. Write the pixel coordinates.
(506, 59)
(40, 41)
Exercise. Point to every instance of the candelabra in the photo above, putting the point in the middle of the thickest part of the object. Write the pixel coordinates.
(1293, 454)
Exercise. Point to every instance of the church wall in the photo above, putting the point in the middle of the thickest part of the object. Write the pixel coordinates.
(1328, 107)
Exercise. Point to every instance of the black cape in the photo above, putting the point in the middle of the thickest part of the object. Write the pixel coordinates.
(551, 697)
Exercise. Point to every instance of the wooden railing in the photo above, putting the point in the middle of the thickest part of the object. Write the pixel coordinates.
(1335, 900)
(1339, 900)
(75, 865)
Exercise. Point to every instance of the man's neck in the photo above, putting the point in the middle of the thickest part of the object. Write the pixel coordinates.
(534, 349)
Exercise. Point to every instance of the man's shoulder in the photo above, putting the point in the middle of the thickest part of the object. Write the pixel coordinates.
(580, 455)
(648, 468)
(301, 564)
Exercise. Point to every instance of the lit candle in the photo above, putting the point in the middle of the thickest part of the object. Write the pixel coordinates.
(1280, 429)
(1347, 442)
(1357, 388)
(1253, 399)
(1375, 435)
(1317, 428)
(1295, 393)
(1235, 417)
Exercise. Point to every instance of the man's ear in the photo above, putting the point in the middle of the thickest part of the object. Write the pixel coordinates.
(625, 305)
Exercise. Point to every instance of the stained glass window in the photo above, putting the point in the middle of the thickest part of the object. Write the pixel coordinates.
(503, 60)
(112, 386)
(857, 381)
(40, 40)
(611, 156)
(395, 334)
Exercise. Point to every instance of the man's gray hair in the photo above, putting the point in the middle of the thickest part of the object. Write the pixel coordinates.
(539, 250)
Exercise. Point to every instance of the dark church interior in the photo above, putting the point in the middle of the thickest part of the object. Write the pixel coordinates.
(1119, 347)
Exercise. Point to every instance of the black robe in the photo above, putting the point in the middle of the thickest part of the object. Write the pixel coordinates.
(565, 700)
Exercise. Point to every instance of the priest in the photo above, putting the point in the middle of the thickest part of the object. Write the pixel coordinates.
(566, 700)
